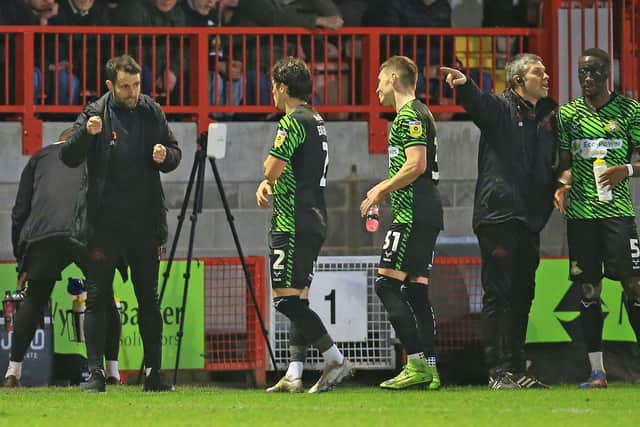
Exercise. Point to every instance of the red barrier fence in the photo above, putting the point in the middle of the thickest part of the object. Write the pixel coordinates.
(202, 64)
(457, 301)
(205, 74)
(233, 338)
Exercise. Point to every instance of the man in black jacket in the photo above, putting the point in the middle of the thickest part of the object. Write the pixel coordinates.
(47, 233)
(513, 201)
(127, 142)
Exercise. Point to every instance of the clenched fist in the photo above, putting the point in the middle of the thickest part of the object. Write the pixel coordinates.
(159, 153)
(94, 125)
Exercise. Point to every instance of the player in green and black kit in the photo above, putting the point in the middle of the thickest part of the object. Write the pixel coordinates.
(408, 251)
(296, 174)
(605, 125)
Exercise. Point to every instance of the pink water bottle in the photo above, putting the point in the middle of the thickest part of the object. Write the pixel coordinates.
(371, 222)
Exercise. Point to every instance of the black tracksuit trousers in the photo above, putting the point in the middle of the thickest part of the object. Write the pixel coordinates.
(510, 256)
(106, 250)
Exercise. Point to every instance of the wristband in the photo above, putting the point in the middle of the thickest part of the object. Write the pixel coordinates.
(629, 169)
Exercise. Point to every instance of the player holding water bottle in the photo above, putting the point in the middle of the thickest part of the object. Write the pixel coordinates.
(407, 254)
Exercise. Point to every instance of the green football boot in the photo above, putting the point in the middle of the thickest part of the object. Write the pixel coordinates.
(415, 373)
(435, 378)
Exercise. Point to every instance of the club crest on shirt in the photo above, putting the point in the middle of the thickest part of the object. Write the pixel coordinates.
(612, 125)
(281, 135)
(415, 128)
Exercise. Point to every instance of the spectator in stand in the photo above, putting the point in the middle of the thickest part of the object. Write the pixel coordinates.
(421, 13)
(511, 13)
(43, 10)
(112, 6)
(290, 13)
(155, 13)
(310, 14)
(353, 11)
(225, 76)
(20, 12)
(323, 14)
(35, 12)
(502, 13)
(372, 13)
(85, 64)
(201, 13)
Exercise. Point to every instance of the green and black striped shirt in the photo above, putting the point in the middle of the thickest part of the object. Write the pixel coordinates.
(298, 194)
(611, 132)
(419, 201)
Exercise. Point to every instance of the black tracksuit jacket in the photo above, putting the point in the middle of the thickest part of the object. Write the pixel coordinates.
(516, 157)
(96, 149)
(51, 201)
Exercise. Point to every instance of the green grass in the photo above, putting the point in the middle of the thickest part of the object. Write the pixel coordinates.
(345, 406)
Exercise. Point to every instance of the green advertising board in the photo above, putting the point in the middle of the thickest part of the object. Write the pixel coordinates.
(546, 319)
(131, 353)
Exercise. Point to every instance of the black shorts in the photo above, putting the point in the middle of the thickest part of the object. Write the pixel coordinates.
(46, 259)
(291, 258)
(609, 242)
(409, 248)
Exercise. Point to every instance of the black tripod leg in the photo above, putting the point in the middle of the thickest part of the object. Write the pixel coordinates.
(247, 274)
(197, 208)
(197, 164)
(183, 210)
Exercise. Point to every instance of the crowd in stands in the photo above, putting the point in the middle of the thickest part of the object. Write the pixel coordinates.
(231, 81)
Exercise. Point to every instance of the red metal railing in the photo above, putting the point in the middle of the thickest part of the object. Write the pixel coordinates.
(344, 66)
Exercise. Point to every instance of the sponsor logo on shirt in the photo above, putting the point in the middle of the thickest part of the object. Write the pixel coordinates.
(593, 148)
(393, 152)
(281, 135)
(415, 128)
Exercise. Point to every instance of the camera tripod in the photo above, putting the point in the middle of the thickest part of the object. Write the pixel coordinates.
(197, 177)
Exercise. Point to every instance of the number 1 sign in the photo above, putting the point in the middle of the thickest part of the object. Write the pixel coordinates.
(340, 299)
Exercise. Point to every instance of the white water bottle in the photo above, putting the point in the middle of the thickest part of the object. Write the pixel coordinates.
(604, 191)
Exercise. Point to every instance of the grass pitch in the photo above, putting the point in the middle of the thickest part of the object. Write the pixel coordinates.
(345, 406)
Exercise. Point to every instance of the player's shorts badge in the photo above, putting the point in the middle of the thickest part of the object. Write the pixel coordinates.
(415, 128)
(612, 125)
(281, 135)
(575, 268)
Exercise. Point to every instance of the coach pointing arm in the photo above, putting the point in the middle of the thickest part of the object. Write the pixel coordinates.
(484, 108)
